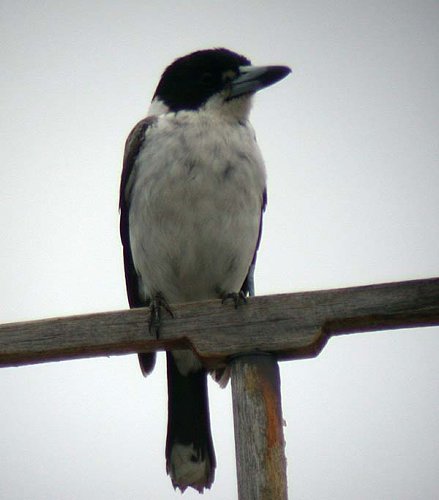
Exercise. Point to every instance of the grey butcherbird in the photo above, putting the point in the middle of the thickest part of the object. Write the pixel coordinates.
(192, 196)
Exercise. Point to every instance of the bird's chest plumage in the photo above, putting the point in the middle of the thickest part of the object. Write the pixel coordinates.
(195, 207)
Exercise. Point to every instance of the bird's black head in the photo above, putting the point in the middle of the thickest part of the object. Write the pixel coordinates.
(190, 81)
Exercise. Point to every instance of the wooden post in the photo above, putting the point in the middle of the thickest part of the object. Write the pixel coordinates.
(258, 422)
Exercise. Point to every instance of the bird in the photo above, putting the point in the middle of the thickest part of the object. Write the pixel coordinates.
(192, 197)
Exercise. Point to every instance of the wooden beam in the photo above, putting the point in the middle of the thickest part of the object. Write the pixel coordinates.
(259, 439)
(289, 325)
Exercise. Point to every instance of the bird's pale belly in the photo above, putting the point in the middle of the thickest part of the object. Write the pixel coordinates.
(193, 239)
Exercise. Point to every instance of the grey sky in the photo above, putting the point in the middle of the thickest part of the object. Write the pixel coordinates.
(351, 145)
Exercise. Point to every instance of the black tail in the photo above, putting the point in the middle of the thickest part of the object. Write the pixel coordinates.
(190, 457)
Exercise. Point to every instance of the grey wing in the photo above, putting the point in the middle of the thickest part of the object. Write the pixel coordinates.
(248, 287)
(133, 145)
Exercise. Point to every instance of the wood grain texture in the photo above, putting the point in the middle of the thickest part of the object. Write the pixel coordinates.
(258, 423)
(289, 325)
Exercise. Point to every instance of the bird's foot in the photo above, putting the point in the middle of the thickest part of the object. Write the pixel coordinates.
(156, 305)
(237, 298)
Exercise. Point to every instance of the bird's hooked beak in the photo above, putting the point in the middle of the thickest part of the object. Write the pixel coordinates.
(254, 78)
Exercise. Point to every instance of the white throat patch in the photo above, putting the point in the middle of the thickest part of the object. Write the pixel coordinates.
(157, 108)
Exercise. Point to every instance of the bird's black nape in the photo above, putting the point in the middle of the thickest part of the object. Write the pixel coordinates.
(190, 80)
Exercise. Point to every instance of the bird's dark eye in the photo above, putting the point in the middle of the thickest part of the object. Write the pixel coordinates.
(207, 79)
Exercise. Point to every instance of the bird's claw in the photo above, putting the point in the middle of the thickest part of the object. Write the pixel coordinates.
(237, 298)
(157, 304)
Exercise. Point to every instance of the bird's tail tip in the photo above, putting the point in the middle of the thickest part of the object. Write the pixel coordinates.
(188, 467)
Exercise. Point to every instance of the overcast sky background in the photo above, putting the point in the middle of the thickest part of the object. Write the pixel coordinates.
(351, 145)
